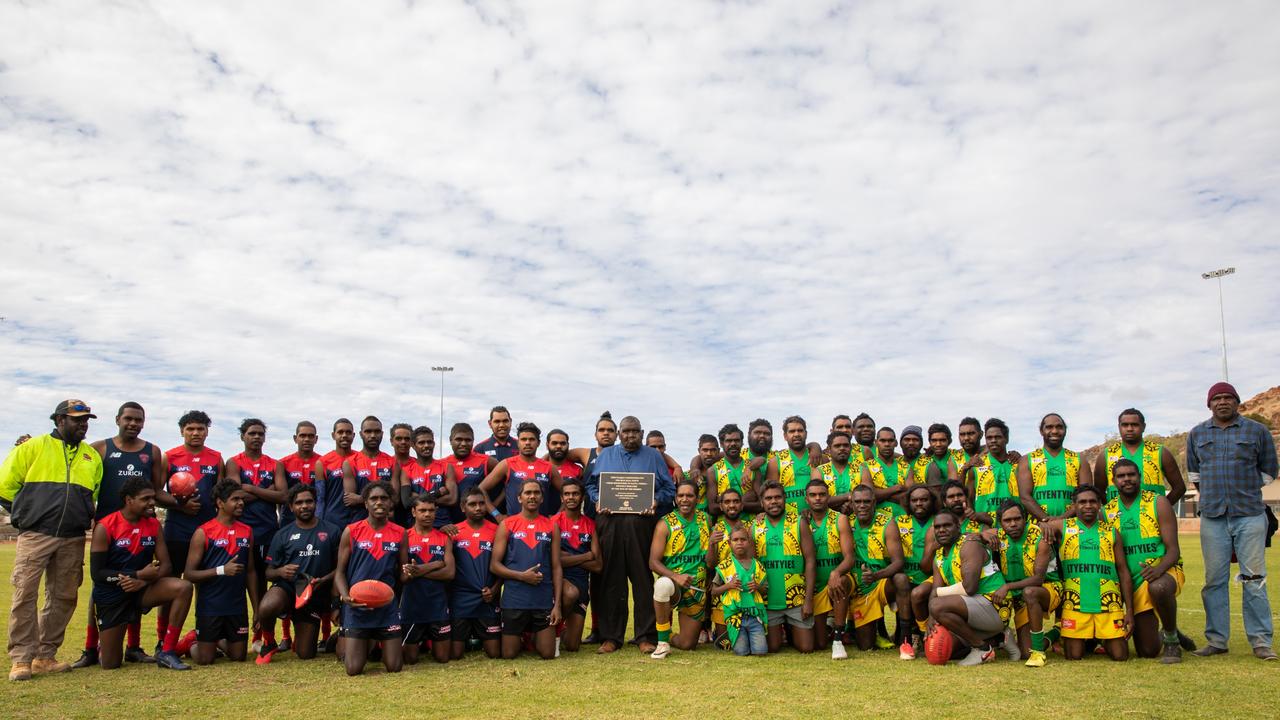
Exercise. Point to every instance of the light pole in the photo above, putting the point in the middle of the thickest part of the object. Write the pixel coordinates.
(1222, 315)
(442, 369)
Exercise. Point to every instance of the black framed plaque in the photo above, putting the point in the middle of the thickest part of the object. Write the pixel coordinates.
(626, 492)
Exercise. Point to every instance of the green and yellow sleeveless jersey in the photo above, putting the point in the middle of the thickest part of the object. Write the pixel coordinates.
(1053, 479)
(778, 548)
(1147, 458)
(1139, 527)
(1090, 583)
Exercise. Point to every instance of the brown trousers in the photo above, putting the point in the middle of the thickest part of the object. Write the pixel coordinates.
(61, 561)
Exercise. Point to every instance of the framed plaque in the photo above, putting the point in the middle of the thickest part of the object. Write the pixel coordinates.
(626, 492)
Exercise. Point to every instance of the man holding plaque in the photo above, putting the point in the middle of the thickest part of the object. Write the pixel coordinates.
(629, 485)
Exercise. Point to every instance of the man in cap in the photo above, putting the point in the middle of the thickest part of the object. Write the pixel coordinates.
(1229, 459)
(49, 485)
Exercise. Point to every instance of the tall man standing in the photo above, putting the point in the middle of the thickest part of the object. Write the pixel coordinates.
(124, 456)
(1153, 459)
(625, 540)
(49, 485)
(1051, 473)
(1230, 458)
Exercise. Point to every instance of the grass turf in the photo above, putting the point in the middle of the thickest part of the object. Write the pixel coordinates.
(627, 683)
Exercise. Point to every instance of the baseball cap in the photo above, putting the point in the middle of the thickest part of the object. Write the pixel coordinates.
(73, 408)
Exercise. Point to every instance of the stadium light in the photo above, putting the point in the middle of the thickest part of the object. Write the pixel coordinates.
(442, 369)
(1222, 315)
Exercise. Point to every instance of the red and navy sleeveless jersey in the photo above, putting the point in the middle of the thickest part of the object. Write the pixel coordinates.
(329, 504)
(298, 471)
(117, 467)
(570, 470)
(468, 472)
(576, 537)
(528, 544)
(428, 479)
(520, 470)
(130, 548)
(260, 515)
(205, 466)
(225, 594)
(375, 555)
(472, 548)
(424, 600)
(367, 469)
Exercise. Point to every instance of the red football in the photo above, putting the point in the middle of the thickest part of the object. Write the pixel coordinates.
(182, 485)
(938, 646)
(373, 593)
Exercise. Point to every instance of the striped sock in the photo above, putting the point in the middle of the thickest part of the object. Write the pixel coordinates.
(664, 632)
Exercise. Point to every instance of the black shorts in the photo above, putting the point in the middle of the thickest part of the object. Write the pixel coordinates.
(321, 605)
(517, 622)
(177, 555)
(232, 628)
(468, 628)
(122, 613)
(414, 633)
(395, 632)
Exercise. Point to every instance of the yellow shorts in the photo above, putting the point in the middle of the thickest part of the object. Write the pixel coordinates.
(1020, 616)
(821, 602)
(870, 607)
(1087, 626)
(1142, 596)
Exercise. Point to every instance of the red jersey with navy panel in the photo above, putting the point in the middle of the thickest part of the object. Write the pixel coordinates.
(378, 468)
(520, 470)
(205, 466)
(429, 479)
(528, 544)
(298, 471)
(131, 546)
(329, 504)
(224, 595)
(260, 515)
(468, 472)
(424, 600)
(375, 555)
(472, 548)
(576, 537)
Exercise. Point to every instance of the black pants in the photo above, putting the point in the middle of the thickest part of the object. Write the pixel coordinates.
(624, 542)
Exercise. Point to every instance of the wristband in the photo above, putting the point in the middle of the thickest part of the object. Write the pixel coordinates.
(222, 570)
(956, 589)
(494, 513)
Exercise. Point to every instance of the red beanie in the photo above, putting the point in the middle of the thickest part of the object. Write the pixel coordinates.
(1220, 388)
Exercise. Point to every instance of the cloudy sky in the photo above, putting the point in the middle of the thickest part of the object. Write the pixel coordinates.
(694, 212)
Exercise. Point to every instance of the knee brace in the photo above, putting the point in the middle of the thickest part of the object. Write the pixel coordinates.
(664, 589)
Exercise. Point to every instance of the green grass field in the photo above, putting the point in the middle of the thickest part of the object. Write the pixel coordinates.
(627, 683)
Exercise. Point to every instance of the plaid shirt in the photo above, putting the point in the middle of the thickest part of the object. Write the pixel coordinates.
(1230, 461)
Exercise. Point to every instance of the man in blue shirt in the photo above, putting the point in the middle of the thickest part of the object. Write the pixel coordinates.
(1230, 458)
(625, 540)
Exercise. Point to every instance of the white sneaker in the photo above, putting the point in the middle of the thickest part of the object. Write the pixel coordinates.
(978, 656)
(557, 647)
(660, 652)
(1011, 645)
(838, 651)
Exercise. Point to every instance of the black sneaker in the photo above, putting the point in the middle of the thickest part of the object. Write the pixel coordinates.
(1185, 642)
(170, 661)
(137, 655)
(593, 638)
(330, 645)
(88, 658)
(1172, 654)
(285, 645)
